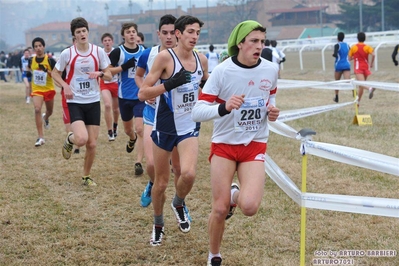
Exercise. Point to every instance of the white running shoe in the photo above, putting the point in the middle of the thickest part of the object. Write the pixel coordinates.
(39, 142)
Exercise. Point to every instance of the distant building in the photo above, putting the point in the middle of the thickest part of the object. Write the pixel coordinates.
(284, 19)
(57, 35)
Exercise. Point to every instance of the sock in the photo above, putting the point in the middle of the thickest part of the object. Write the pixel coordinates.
(70, 142)
(158, 220)
(177, 201)
(115, 126)
(211, 255)
(233, 190)
(110, 132)
(85, 177)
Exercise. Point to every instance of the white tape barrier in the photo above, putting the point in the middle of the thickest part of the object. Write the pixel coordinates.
(353, 204)
(335, 85)
(282, 129)
(378, 85)
(9, 69)
(305, 112)
(343, 154)
(365, 159)
(297, 84)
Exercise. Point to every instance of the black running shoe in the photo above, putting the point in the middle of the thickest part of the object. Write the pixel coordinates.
(130, 144)
(215, 261)
(156, 237)
(181, 217)
(138, 169)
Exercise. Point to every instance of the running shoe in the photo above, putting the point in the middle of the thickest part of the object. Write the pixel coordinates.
(67, 148)
(156, 236)
(130, 144)
(234, 186)
(181, 217)
(187, 212)
(87, 181)
(46, 123)
(39, 142)
(138, 169)
(371, 94)
(111, 136)
(215, 261)
(146, 196)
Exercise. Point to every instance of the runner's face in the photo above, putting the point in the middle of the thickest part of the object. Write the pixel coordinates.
(251, 48)
(167, 36)
(130, 35)
(108, 43)
(190, 35)
(81, 35)
(26, 54)
(39, 48)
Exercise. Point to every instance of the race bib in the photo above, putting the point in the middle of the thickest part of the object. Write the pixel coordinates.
(185, 97)
(39, 77)
(84, 86)
(131, 72)
(250, 115)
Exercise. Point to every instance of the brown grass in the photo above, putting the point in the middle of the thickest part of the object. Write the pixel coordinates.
(48, 218)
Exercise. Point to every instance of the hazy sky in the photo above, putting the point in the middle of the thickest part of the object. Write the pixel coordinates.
(17, 16)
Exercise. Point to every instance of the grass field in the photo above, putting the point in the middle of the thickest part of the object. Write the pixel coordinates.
(48, 218)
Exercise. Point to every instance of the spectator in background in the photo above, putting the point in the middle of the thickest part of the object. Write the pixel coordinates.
(342, 65)
(359, 53)
(213, 58)
(15, 60)
(280, 55)
(3, 65)
(395, 54)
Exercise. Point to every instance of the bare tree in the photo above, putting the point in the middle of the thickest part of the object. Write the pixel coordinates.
(238, 11)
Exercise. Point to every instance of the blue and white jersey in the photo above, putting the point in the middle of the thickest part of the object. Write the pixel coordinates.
(341, 61)
(147, 60)
(24, 63)
(173, 111)
(127, 85)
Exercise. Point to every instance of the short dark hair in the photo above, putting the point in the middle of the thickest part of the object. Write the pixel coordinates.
(341, 36)
(107, 34)
(38, 39)
(128, 25)
(166, 19)
(141, 35)
(361, 36)
(183, 21)
(78, 22)
(273, 43)
(211, 47)
(267, 42)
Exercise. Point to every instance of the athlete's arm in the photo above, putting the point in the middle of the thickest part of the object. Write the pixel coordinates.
(147, 89)
(114, 57)
(336, 47)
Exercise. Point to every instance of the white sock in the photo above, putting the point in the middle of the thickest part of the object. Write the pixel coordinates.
(210, 255)
(233, 190)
